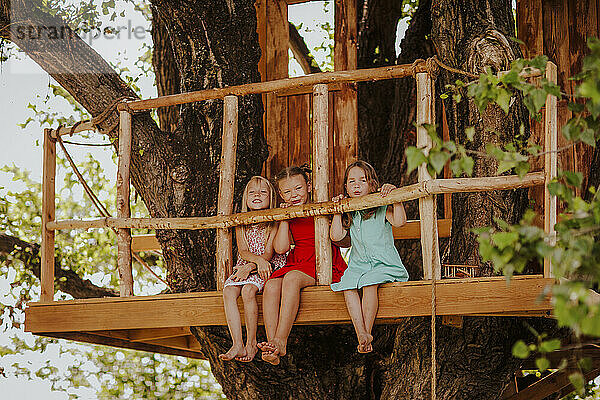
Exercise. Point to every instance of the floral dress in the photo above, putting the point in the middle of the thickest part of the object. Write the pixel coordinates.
(256, 236)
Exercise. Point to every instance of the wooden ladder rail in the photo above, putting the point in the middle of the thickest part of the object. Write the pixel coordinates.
(432, 269)
(550, 163)
(48, 215)
(123, 205)
(226, 188)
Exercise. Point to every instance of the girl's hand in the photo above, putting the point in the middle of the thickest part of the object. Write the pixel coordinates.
(386, 189)
(337, 198)
(241, 273)
(264, 269)
(284, 205)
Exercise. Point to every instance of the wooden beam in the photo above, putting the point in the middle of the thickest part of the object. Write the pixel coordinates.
(555, 382)
(360, 75)
(318, 305)
(88, 337)
(123, 206)
(82, 126)
(412, 229)
(345, 135)
(48, 214)
(226, 188)
(320, 146)
(276, 110)
(550, 160)
(144, 243)
(405, 193)
(332, 87)
(427, 209)
(137, 335)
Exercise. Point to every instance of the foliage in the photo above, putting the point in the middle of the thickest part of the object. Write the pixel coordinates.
(575, 249)
(112, 373)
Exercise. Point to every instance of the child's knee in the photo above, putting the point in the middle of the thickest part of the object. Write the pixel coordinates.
(230, 293)
(249, 292)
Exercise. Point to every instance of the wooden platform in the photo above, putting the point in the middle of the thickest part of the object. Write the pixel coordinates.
(161, 323)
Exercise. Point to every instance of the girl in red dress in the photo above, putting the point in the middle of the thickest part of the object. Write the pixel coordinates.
(281, 297)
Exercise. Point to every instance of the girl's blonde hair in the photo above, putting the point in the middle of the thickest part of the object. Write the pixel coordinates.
(244, 206)
(373, 183)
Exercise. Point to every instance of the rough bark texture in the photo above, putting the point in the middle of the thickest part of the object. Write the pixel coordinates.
(214, 43)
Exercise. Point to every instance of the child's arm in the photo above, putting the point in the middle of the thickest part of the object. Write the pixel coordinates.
(282, 240)
(395, 213)
(337, 231)
(257, 262)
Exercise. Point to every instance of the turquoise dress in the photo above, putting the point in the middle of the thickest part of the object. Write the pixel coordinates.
(373, 256)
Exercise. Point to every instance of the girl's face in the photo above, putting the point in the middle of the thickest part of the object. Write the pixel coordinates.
(357, 184)
(258, 195)
(294, 190)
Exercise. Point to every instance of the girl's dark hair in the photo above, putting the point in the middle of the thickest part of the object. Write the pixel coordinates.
(294, 170)
(373, 182)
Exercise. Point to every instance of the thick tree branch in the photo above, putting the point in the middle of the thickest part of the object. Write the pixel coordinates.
(66, 280)
(301, 52)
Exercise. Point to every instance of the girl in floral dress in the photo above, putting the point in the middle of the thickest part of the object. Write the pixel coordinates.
(256, 262)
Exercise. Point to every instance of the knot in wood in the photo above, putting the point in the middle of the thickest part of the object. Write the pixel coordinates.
(180, 173)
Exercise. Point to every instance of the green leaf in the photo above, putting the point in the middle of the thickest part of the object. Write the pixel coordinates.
(470, 132)
(505, 239)
(506, 165)
(573, 178)
(467, 165)
(437, 159)
(549, 345)
(414, 158)
(587, 137)
(577, 380)
(520, 350)
(542, 364)
(538, 97)
(522, 168)
(575, 107)
(503, 100)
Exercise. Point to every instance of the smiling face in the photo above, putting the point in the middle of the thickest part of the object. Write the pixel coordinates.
(357, 184)
(258, 195)
(294, 190)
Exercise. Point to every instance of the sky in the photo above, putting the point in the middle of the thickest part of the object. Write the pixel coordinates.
(23, 83)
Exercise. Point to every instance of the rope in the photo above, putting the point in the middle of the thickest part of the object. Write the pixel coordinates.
(99, 206)
(433, 344)
(452, 69)
(87, 144)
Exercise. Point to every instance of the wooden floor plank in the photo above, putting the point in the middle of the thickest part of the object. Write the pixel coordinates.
(319, 305)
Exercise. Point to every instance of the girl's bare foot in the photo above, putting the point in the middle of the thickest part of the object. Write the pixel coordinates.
(251, 350)
(234, 352)
(270, 353)
(280, 347)
(364, 343)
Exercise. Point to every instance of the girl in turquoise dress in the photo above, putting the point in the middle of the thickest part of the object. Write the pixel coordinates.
(373, 258)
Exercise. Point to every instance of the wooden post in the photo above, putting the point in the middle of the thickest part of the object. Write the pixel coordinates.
(345, 135)
(123, 206)
(277, 60)
(550, 163)
(320, 147)
(48, 214)
(427, 208)
(226, 187)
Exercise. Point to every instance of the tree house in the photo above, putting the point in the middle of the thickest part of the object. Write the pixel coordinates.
(312, 117)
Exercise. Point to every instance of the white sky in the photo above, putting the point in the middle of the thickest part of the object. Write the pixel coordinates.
(22, 82)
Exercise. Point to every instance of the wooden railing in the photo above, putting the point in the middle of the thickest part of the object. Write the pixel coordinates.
(425, 190)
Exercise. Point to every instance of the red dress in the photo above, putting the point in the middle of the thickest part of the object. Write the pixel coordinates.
(302, 256)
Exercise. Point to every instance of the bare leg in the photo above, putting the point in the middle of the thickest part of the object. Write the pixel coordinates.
(293, 282)
(234, 322)
(354, 306)
(251, 316)
(370, 305)
(271, 301)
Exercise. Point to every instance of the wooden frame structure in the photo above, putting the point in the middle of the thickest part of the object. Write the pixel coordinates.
(123, 322)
